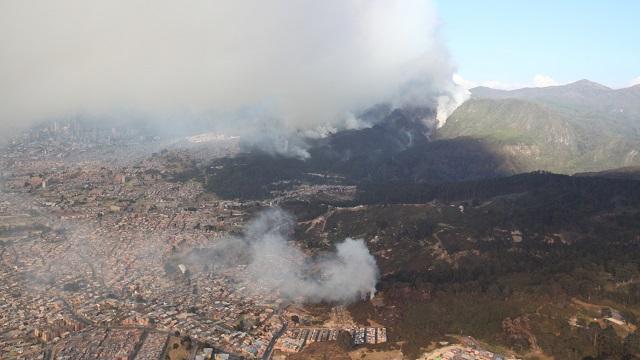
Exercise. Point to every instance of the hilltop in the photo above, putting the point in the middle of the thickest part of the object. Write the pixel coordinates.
(582, 126)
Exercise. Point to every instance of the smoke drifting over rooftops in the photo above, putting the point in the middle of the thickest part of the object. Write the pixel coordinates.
(259, 69)
(275, 265)
(349, 273)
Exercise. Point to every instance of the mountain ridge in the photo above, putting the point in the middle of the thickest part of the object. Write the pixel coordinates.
(601, 126)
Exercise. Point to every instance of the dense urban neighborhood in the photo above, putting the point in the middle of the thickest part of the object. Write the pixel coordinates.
(88, 258)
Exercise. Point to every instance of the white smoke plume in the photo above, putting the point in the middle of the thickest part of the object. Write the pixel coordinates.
(277, 265)
(263, 70)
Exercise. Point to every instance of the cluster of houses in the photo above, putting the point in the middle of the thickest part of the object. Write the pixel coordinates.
(295, 339)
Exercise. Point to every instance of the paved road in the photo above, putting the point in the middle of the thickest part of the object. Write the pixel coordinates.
(272, 343)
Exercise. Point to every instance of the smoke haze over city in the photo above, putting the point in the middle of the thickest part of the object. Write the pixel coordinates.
(276, 70)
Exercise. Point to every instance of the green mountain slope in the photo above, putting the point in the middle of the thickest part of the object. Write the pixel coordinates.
(582, 126)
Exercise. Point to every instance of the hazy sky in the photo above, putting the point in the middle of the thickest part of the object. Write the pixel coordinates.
(294, 65)
(507, 42)
(299, 66)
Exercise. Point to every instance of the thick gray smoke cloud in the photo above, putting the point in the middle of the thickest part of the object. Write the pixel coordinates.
(260, 69)
(276, 265)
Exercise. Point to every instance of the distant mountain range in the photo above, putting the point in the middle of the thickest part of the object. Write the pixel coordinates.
(579, 127)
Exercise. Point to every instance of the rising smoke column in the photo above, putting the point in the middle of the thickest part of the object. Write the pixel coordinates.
(275, 264)
(265, 70)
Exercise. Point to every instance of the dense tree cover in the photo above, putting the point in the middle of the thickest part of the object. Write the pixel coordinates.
(574, 191)
(254, 176)
(534, 279)
(476, 295)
